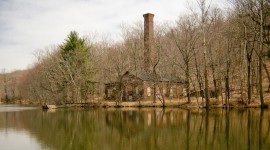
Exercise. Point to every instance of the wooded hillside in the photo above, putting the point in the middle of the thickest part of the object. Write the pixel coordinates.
(215, 50)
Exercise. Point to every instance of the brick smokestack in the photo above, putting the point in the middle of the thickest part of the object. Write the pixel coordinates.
(148, 40)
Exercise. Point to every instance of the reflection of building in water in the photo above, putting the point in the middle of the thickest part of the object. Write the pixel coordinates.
(160, 117)
(138, 120)
(149, 119)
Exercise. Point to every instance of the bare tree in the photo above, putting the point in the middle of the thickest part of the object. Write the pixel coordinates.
(256, 12)
(185, 37)
(204, 12)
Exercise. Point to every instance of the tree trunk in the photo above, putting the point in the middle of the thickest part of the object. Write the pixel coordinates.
(260, 53)
(248, 79)
(213, 74)
(268, 76)
(260, 83)
(195, 89)
(162, 100)
(206, 90)
(227, 90)
(155, 90)
(188, 84)
(198, 76)
(228, 85)
(221, 91)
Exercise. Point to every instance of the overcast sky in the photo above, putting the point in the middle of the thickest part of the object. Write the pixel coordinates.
(27, 26)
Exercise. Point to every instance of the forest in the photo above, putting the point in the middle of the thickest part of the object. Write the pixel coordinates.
(224, 51)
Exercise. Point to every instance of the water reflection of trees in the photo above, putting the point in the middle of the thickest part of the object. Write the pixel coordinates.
(195, 129)
(145, 128)
(64, 129)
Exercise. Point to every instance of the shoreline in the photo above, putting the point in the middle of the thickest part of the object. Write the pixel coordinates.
(169, 103)
(142, 104)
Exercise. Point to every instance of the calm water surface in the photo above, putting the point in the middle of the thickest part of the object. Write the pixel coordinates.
(31, 128)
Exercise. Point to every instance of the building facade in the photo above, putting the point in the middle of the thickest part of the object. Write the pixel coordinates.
(145, 86)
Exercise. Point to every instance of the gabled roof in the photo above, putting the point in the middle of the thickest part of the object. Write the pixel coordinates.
(147, 76)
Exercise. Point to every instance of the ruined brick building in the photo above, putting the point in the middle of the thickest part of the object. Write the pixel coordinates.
(146, 85)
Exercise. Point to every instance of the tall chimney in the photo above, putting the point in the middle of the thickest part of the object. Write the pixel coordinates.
(148, 40)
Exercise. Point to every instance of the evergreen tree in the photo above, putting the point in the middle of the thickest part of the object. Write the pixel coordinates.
(75, 54)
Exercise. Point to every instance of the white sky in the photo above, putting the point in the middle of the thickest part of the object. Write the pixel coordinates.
(30, 25)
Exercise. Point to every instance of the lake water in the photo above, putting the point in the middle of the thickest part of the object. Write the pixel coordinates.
(31, 128)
